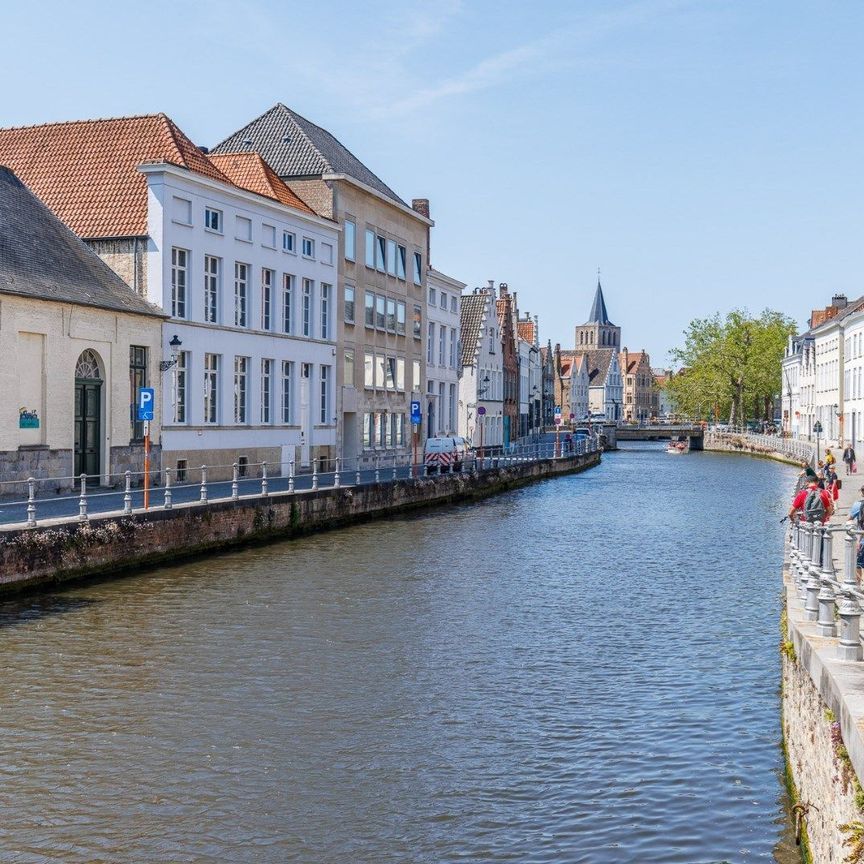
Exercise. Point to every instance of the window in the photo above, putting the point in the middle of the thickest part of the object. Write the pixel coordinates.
(380, 312)
(325, 310)
(391, 257)
(213, 220)
(181, 371)
(289, 242)
(391, 315)
(241, 274)
(442, 345)
(266, 391)
(394, 426)
(179, 281)
(308, 247)
(418, 322)
(307, 306)
(181, 211)
(326, 256)
(390, 373)
(137, 378)
(381, 254)
(418, 268)
(454, 342)
(268, 236)
(349, 304)
(415, 375)
(400, 262)
(243, 229)
(430, 344)
(370, 248)
(211, 388)
(432, 296)
(241, 370)
(325, 395)
(368, 370)
(367, 429)
(348, 367)
(380, 363)
(400, 373)
(370, 309)
(212, 274)
(267, 279)
(401, 430)
(350, 240)
(443, 300)
(400, 319)
(454, 304)
(287, 391)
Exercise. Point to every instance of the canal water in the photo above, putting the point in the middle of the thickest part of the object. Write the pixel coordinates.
(584, 670)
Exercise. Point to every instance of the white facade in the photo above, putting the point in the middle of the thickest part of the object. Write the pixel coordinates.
(579, 403)
(252, 297)
(853, 404)
(828, 344)
(607, 395)
(443, 353)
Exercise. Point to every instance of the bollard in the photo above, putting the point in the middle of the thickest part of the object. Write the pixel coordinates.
(31, 502)
(291, 476)
(314, 473)
(827, 553)
(336, 475)
(849, 561)
(377, 471)
(265, 485)
(168, 503)
(826, 624)
(82, 501)
(235, 486)
(811, 603)
(816, 546)
(127, 496)
(849, 646)
(203, 498)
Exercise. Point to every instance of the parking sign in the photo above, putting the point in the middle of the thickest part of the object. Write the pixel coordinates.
(146, 403)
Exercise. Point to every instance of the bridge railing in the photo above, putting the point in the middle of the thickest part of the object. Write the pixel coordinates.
(801, 451)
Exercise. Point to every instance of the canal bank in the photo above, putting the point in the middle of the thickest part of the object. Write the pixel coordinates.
(110, 543)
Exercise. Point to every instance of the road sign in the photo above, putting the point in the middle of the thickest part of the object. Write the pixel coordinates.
(558, 419)
(146, 403)
(557, 410)
(481, 410)
(817, 428)
(416, 415)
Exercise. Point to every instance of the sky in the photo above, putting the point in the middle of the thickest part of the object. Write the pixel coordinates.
(703, 154)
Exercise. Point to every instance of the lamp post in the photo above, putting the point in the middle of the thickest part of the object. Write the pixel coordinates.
(164, 366)
(481, 410)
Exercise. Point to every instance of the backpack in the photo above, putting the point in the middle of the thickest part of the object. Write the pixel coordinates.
(814, 506)
(861, 515)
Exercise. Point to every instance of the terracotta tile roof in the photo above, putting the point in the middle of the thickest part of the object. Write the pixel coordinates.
(249, 171)
(86, 171)
(525, 330)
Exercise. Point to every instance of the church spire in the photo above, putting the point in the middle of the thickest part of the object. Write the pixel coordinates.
(598, 314)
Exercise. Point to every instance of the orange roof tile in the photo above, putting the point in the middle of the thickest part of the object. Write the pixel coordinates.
(86, 170)
(525, 330)
(249, 171)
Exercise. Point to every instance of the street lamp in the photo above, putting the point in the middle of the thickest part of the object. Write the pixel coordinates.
(174, 345)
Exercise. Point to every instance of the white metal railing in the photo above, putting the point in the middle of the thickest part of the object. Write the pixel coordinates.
(802, 451)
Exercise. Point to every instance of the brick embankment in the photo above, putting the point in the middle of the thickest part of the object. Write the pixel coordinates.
(112, 543)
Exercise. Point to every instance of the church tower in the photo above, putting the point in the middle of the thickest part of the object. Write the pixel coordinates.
(598, 331)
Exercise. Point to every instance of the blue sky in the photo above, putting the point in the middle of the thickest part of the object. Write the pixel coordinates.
(704, 154)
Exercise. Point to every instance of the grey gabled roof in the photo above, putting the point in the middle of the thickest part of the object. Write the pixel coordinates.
(41, 258)
(598, 309)
(475, 308)
(296, 148)
(599, 362)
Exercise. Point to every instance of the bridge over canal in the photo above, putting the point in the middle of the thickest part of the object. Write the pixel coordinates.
(695, 433)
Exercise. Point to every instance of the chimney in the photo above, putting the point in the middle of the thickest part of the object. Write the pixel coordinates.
(840, 301)
(491, 286)
(421, 206)
(204, 150)
(537, 331)
(502, 289)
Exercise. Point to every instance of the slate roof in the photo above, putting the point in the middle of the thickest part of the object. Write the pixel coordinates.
(473, 319)
(599, 361)
(86, 170)
(249, 171)
(598, 314)
(42, 259)
(296, 148)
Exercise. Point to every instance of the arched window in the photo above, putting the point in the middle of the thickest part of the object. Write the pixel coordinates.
(88, 366)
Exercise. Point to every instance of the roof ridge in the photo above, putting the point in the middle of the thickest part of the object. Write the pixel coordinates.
(244, 128)
(292, 115)
(87, 120)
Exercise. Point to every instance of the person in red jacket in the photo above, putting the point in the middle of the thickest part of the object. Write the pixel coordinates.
(816, 513)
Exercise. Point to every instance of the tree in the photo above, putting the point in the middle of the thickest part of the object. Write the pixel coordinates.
(731, 364)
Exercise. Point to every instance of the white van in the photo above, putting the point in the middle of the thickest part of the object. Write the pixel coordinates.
(444, 454)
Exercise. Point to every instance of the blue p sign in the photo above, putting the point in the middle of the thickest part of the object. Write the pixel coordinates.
(415, 413)
(146, 403)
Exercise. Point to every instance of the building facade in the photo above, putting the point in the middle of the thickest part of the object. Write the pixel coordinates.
(507, 316)
(640, 403)
(444, 298)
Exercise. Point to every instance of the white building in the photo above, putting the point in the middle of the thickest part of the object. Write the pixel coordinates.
(793, 395)
(853, 385)
(481, 387)
(579, 388)
(605, 389)
(444, 299)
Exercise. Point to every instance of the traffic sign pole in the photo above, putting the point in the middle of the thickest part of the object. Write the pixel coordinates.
(146, 405)
(146, 464)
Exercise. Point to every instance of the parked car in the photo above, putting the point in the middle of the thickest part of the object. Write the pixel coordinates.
(444, 454)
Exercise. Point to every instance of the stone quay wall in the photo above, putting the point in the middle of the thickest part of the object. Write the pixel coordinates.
(58, 550)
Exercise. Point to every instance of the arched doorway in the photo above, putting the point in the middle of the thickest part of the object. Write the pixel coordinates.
(88, 414)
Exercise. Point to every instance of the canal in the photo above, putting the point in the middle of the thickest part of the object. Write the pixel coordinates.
(583, 670)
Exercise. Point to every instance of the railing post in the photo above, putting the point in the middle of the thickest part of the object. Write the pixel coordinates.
(168, 503)
(82, 500)
(336, 478)
(827, 553)
(203, 498)
(395, 463)
(127, 495)
(357, 477)
(235, 485)
(849, 611)
(265, 485)
(291, 476)
(315, 473)
(826, 624)
(850, 556)
(812, 589)
(377, 469)
(31, 502)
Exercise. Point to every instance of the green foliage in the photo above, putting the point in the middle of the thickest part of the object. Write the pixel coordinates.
(854, 832)
(731, 365)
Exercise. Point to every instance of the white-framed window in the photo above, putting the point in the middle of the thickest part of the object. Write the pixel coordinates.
(433, 296)
(268, 236)
(287, 303)
(400, 262)
(400, 318)
(289, 242)
(266, 391)
(415, 374)
(418, 268)
(213, 219)
(391, 257)
(443, 300)
(348, 366)
(326, 291)
(442, 345)
(308, 247)
(454, 343)
(370, 248)
(391, 315)
(380, 364)
(368, 420)
(381, 254)
(181, 211)
(324, 402)
(430, 344)
(179, 281)
(287, 391)
(211, 388)
(454, 304)
(308, 288)
(212, 278)
(268, 277)
(241, 292)
(369, 309)
(241, 375)
(243, 229)
(349, 304)
(181, 373)
(380, 312)
(390, 373)
(368, 370)
(350, 240)
(400, 373)
(326, 256)
(418, 322)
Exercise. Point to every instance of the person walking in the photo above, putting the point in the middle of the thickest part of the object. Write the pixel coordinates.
(829, 457)
(814, 504)
(832, 483)
(849, 458)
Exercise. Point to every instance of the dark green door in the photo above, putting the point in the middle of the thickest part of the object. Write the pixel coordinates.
(88, 432)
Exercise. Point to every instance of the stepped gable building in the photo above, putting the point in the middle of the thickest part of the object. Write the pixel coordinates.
(640, 393)
(246, 371)
(598, 331)
(547, 378)
(73, 336)
(507, 315)
(382, 262)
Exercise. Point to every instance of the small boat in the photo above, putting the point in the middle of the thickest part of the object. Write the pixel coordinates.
(676, 447)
